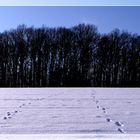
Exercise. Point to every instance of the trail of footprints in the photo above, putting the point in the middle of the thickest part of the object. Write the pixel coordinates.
(109, 120)
(10, 115)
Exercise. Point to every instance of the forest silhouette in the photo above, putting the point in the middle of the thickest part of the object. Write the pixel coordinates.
(79, 56)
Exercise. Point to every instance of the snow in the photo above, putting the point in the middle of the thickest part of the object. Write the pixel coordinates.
(69, 110)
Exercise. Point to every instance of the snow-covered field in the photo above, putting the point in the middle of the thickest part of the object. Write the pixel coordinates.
(70, 110)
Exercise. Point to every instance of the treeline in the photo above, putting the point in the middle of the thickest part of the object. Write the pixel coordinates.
(69, 57)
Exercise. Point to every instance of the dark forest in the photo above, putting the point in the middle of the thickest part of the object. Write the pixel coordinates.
(69, 57)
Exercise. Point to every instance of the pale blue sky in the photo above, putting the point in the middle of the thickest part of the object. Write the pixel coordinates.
(69, 2)
(105, 18)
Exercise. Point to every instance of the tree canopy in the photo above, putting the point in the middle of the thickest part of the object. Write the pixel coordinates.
(69, 57)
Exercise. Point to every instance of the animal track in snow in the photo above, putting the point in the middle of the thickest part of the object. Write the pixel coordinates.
(108, 120)
(97, 102)
(104, 111)
(5, 118)
(103, 108)
(119, 124)
(8, 113)
(121, 130)
(98, 107)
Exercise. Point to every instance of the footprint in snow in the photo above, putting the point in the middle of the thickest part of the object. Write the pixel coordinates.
(8, 113)
(98, 107)
(5, 118)
(129, 102)
(121, 130)
(104, 111)
(97, 102)
(108, 120)
(103, 108)
(119, 124)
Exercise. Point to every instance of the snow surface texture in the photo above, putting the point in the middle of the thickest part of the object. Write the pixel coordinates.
(70, 110)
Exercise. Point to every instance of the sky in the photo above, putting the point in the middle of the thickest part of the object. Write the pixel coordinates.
(105, 18)
(69, 2)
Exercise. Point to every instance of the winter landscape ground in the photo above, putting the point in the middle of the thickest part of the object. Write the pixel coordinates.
(69, 111)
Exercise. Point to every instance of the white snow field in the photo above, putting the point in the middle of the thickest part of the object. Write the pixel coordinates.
(70, 111)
